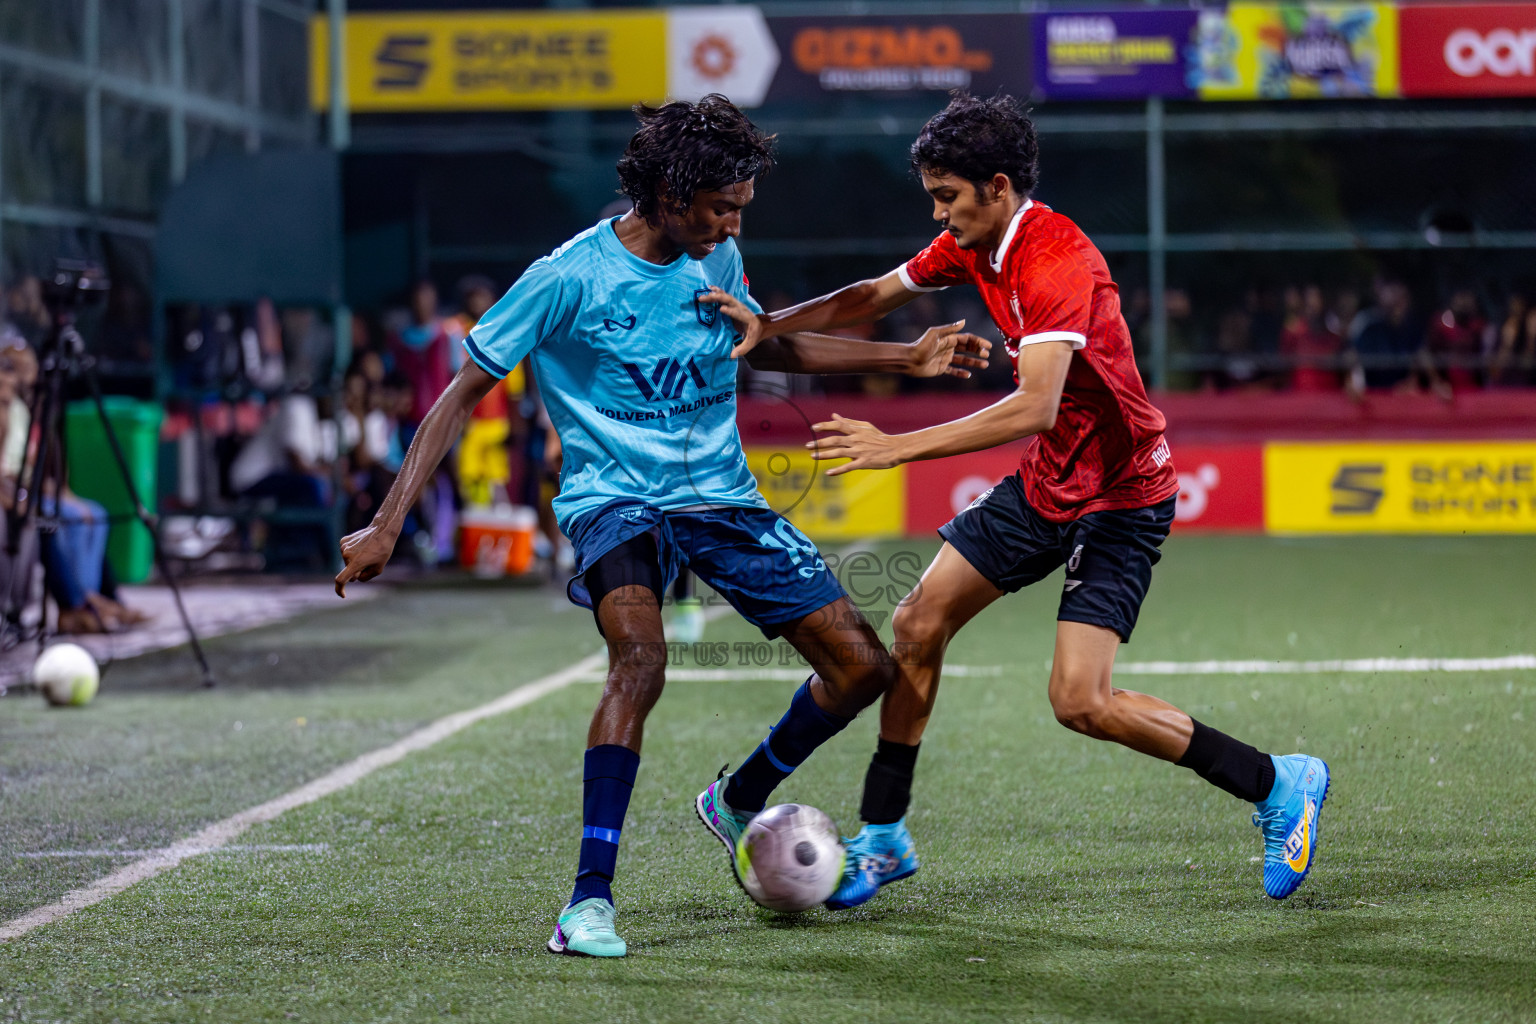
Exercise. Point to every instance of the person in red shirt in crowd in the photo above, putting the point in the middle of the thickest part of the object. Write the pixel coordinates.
(422, 351)
(1313, 349)
(1094, 491)
(1454, 344)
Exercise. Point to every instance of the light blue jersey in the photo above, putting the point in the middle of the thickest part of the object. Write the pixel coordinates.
(635, 370)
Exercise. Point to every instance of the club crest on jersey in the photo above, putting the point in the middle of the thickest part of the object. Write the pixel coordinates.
(707, 312)
(627, 324)
(667, 381)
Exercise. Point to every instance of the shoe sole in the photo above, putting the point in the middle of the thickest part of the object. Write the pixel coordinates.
(557, 948)
(894, 878)
(730, 849)
(1317, 833)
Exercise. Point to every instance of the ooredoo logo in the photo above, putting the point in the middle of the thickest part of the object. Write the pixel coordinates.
(1468, 49)
(1502, 52)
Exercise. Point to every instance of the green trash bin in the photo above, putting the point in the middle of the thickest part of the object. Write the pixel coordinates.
(93, 473)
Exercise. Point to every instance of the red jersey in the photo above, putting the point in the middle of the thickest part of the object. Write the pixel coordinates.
(1048, 283)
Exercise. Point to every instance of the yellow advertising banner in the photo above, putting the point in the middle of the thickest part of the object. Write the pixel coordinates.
(490, 60)
(1297, 51)
(1400, 487)
(855, 506)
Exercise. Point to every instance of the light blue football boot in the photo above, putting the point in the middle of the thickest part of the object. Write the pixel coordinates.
(723, 821)
(878, 855)
(586, 929)
(1288, 818)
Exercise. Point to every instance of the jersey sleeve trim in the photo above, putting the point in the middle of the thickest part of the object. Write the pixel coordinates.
(911, 285)
(1078, 341)
(482, 360)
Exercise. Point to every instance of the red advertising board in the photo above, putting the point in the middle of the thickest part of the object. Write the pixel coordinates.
(1221, 487)
(938, 489)
(1467, 49)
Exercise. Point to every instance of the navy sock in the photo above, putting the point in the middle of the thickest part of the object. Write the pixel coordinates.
(803, 728)
(608, 780)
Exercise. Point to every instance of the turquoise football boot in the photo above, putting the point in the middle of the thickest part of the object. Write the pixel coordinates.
(1288, 818)
(586, 929)
(724, 822)
(878, 855)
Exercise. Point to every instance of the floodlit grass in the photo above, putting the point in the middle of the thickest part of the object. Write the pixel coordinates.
(1062, 879)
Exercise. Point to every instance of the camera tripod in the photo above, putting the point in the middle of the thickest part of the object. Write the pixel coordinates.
(63, 357)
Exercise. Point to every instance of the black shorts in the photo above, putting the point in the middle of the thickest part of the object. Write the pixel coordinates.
(1109, 555)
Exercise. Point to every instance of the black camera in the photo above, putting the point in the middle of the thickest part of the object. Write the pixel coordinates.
(74, 283)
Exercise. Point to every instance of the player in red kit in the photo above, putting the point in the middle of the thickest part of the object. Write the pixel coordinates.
(1094, 491)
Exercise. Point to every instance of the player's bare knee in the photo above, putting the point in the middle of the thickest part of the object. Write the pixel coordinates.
(1085, 713)
(921, 627)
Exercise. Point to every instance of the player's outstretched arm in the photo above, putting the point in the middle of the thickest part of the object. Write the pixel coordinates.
(366, 551)
(1031, 409)
(941, 351)
(858, 303)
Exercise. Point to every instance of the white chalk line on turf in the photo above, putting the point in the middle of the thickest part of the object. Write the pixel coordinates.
(231, 848)
(221, 833)
(1513, 662)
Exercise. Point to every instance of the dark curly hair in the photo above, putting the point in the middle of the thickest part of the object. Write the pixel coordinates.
(683, 148)
(977, 138)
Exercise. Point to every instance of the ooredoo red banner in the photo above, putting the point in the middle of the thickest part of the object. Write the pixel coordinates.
(1467, 49)
(940, 488)
(1221, 487)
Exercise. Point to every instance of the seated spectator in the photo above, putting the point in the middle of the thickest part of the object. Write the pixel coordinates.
(1385, 337)
(288, 461)
(1513, 363)
(74, 552)
(1311, 347)
(1454, 345)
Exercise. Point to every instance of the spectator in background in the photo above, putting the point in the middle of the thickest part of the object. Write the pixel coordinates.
(1457, 338)
(1234, 345)
(1513, 363)
(1385, 337)
(27, 312)
(495, 430)
(422, 351)
(1184, 340)
(309, 346)
(289, 462)
(368, 436)
(1312, 349)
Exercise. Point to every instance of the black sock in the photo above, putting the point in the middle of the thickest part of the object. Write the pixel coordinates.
(888, 783)
(1229, 764)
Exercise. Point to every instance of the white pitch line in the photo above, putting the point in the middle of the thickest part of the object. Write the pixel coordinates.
(233, 848)
(1513, 662)
(1366, 665)
(221, 833)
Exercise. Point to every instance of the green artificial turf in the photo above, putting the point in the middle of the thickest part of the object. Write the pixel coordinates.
(1062, 879)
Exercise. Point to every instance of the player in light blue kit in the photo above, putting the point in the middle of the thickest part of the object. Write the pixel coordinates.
(636, 368)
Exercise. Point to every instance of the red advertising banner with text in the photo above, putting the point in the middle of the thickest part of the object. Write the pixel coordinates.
(1221, 487)
(1467, 49)
(940, 488)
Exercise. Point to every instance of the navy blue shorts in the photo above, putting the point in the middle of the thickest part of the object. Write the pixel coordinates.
(769, 571)
(1109, 555)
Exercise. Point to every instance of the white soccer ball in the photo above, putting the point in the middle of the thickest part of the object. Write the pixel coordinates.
(67, 674)
(790, 858)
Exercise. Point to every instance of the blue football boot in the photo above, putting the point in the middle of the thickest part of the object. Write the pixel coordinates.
(1288, 818)
(878, 855)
